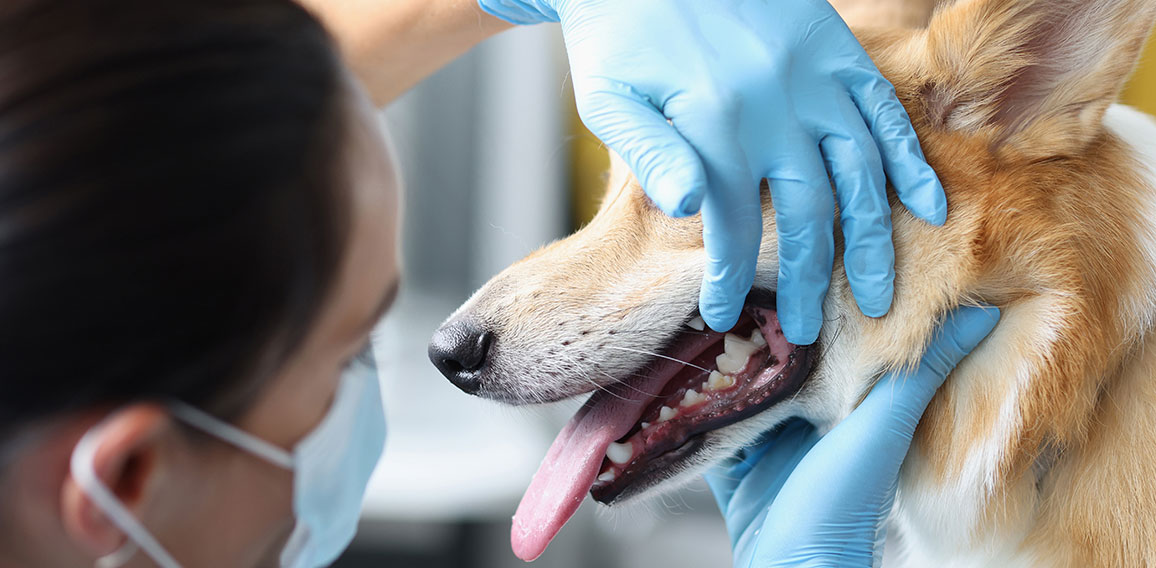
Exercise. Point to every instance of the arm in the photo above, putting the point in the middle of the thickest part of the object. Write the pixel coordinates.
(391, 45)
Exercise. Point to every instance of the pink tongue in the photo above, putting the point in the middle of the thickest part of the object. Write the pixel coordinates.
(572, 464)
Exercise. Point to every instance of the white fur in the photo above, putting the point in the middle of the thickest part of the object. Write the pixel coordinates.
(939, 521)
(1138, 130)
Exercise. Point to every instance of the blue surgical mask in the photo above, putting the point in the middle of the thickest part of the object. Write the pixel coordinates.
(331, 468)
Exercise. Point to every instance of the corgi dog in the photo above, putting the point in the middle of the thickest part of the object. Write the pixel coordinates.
(1039, 450)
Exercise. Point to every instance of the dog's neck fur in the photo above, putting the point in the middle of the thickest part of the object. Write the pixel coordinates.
(1027, 456)
(1036, 452)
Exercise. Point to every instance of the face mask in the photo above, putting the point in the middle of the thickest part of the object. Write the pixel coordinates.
(331, 468)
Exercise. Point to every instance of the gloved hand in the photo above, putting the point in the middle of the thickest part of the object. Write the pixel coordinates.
(798, 499)
(751, 89)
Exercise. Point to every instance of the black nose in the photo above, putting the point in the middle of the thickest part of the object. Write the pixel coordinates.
(458, 349)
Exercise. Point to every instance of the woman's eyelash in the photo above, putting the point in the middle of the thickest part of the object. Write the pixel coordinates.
(364, 358)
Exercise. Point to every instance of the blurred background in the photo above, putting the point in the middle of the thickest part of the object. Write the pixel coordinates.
(495, 164)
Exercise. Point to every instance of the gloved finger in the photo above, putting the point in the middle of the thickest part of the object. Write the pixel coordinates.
(732, 216)
(744, 492)
(885, 422)
(859, 459)
(722, 486)
(805, 215)
(520, 13)
(868, 255)
(915, 183)
(960, 333)
(767, 469)
(667, 166)
(732, 231)
(724, 477)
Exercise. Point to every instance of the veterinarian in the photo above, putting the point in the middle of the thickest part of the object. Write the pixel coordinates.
(197, 233)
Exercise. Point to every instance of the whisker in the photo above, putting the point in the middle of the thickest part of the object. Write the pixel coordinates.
(583, 367)
(617, 381)
(824, 347)
(607, 311)
(632, 375)
(623, 383)
(687, 331)
(581, 371)
(687, 363)
(603, 389)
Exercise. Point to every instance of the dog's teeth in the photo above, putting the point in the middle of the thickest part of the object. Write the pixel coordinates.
(666, 413)
(729, 363)
(645, 425)
(757, 338)
(692, 397)
(738, 346)
(607, 475)
(620, 453)
(697, 323)
(735, 355)
(719, 381)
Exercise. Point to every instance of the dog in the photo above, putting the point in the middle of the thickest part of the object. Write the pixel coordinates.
(1039, 450)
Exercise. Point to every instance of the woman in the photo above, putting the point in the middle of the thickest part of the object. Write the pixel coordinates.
(195, 207)
(197, 233)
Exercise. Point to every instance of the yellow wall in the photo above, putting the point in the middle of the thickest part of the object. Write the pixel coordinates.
(1141, 91)
(589, 163)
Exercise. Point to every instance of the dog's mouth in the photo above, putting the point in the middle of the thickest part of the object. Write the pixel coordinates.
(634, 434)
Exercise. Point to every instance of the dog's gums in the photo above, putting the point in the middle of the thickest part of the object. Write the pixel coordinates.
(633, 434)
(700, 399)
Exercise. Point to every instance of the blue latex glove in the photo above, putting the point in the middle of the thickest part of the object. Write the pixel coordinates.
(751, 89)
(800, 500)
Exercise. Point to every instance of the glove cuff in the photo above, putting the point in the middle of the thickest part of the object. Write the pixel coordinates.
(521, 12)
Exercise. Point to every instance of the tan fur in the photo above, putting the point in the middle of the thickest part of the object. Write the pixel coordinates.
(1050, 207)
(1041, 448)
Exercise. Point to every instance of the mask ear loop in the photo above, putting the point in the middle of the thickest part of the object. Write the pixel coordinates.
(82, 469)
(120, 557)
(226, 432)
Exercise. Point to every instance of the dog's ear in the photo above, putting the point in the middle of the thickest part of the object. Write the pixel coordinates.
(1034, 75)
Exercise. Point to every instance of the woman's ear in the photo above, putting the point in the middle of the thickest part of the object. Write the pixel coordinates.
(127, 445)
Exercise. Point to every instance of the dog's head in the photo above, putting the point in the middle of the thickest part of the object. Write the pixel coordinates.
(1009, 99)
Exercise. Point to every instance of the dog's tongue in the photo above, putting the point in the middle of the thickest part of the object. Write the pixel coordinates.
(572, 464)
(569, 470)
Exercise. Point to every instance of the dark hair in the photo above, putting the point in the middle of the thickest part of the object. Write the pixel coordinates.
(172, 208)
